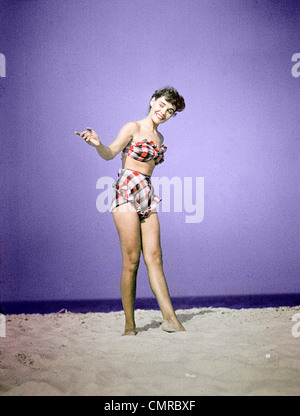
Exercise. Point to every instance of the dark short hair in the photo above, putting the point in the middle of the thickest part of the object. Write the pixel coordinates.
(172, 96)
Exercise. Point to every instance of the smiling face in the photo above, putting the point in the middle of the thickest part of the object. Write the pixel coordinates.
(161, 110)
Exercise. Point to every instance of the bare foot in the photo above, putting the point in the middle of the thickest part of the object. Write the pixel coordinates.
(129, 332)
(170, 326)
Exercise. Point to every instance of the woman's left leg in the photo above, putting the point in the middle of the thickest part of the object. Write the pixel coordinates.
(150, 233)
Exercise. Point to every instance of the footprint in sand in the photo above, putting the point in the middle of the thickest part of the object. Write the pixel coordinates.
(25, 359)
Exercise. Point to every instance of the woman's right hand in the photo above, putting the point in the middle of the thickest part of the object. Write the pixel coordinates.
(90, 136)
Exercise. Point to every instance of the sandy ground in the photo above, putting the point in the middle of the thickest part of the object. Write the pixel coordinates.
(223, 352)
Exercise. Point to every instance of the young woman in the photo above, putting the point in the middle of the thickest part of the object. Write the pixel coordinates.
(134, 202)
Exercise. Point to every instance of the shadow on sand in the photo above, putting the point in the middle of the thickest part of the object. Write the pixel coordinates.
(183, 317)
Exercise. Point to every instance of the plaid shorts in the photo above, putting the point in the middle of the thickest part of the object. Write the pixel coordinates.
(136, 188)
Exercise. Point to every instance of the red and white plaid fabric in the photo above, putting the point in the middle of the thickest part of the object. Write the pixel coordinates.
(136, 188)
(144, 151)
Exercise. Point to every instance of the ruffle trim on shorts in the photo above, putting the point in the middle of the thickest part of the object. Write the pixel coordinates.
(138, 191)
(127, 196)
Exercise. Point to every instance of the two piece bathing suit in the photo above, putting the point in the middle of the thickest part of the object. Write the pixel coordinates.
(135, 187)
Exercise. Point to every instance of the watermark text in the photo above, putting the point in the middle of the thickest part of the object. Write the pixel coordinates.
(296, 326)
(178, 195)
(2, 66)
(296, 67)
(2, 326)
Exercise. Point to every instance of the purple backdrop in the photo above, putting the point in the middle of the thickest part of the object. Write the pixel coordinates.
(72, 64)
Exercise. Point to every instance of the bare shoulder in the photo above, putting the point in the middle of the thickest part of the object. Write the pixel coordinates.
(124, 136)
(130, 128)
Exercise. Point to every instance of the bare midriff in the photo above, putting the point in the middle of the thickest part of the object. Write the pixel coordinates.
(145, 168)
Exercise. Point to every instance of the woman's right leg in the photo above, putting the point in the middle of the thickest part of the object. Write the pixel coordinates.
(128, 225)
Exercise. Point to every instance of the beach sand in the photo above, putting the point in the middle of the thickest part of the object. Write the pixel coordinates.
(223, 352)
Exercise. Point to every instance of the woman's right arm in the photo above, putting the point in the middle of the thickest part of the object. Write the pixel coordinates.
(109, 152)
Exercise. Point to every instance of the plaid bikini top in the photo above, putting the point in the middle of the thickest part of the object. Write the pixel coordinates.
(144, 151)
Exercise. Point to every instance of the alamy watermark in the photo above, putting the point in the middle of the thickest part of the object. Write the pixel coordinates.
(178, 195)
(2, 326)
(296, 67)
(296, 326)
(2, 66)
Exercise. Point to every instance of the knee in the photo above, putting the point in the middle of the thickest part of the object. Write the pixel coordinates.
(153, 257)
(132, 260)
